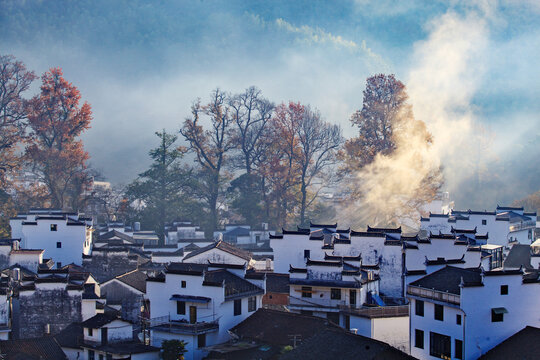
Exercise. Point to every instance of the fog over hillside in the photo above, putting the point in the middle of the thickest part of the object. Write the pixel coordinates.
(471, 70)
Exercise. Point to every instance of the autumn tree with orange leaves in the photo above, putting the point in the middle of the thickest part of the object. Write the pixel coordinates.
(56, 120)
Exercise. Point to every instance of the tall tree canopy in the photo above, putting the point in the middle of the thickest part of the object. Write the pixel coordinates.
(161, 191)
(385, 100)
(391, 165)
(56, 120)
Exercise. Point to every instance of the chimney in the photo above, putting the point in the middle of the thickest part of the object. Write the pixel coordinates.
(47, 329)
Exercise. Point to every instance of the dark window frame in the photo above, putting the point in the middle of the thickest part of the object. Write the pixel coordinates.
(504, 289)
(458, 349)
(458, 319)
(438, 312)
(183, 284)
(335, 293)
(201, 341)
(307, 254)
(306, 291)
(90, 332)
(418, 338)
(181, 308)
(496, 317)
(237, 307)
(484, 222)
(419, 307)
(440, 345)
(252, 303)
(54, 227)
(58, 244)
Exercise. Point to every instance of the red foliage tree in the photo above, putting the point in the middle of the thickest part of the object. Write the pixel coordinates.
(56, 120)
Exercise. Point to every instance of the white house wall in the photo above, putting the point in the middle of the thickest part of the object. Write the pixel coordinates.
(477, 302)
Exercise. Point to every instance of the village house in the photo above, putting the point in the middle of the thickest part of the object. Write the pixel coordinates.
(180, 231)
(126, 293)
(199, 303)
(219, 252)
(461, 313)
(48, 302)
(239, 234)
(270, 334)
(64, 236)
(505, 225)
(108, 336)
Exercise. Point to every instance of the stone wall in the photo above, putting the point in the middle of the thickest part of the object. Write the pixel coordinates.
(105, 265)
(57, 307)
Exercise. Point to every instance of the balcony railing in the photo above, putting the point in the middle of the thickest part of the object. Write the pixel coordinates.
(314, 302)
(378, 312)
(164, 323)
(523, 226)
(433, 294)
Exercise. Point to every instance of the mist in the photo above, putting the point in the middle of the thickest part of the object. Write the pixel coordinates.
(471, 73)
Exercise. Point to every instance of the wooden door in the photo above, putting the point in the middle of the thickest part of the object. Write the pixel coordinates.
(192, 314)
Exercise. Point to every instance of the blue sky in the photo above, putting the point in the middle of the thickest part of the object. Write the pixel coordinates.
(471, 67)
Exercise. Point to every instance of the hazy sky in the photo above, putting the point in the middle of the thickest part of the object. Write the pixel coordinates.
(472, 68)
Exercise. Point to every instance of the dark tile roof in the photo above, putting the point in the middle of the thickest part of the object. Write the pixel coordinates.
(384, 230)
(293, 232)
(185, 268)
(114, 233)
(448, 279)
(123, 348)
(224, 246)
(275, 327)
(136, 279)
(326, 283)
(328, 226)
(238, 231)
(44, 348)
(443, 261)
(523, 345)
(334, 344)
(519, 255)
(276, 236)
(99, 320)
(71, 336)
(235, 286)
(367, 234)
(191, 247)
(277, 283)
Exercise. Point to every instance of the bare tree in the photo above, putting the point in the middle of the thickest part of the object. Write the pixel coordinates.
(14, 80)
(318, 143)
(251, 113)
(210, 147)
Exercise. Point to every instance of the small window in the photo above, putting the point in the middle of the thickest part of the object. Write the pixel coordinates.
(497, 315)
(181, 307)
(335, 294)
(252, 303)
(184, 283)
(458, 319)
(484, 222)
(90, 332)
(306, 254)
(419, 307)
(504, 289)
(237, 307)
(419, 338)
(439, 312)
(58, 245)
(58, 265)
(201, 340)
(306, 291)
(54, 227)
(458, 349)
